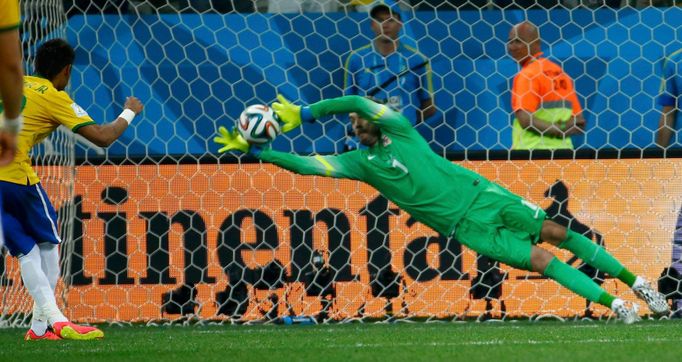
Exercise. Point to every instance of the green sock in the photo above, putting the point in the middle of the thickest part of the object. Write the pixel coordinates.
(596, 256)
(627, 277)
(577, 282)
(606, 299)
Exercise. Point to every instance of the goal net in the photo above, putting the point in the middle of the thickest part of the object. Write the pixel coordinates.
(159, 227)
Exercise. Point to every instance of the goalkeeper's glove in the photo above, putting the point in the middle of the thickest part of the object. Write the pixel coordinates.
(231, 141)
(290, 114)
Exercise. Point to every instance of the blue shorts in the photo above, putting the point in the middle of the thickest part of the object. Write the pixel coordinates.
(28, 217)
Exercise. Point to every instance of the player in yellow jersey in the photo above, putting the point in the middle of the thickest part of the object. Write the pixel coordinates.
(29, 218)
(11, 84)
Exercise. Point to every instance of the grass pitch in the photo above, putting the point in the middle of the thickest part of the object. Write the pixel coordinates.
(469, 341)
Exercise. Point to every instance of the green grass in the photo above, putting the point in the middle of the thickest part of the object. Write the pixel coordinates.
(470, 341)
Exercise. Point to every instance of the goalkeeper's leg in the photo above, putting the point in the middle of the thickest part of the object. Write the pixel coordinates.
(546, 263)
(596, 256)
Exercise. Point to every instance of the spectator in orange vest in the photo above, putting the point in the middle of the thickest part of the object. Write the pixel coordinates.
(546, 109)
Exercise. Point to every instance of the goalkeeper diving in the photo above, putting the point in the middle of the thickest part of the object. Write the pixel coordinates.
(451, 199)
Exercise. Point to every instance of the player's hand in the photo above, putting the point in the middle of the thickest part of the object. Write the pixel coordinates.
(133, 104)
(231, 141)
(289, 113)
(8, 147)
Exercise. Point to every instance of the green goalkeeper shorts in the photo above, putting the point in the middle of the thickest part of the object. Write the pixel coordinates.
(502, 226)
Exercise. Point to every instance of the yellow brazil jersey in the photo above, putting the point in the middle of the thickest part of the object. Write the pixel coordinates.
(46, 109)
(9, 15)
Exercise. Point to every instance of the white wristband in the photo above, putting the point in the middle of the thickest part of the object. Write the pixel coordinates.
(127, 114)
(11, 125)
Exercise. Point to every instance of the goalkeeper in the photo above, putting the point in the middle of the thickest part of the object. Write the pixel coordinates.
(451, 199)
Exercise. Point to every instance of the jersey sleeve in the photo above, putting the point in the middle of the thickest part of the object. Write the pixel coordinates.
(525, 92)
(69, 113)
(383, 116)
(669, 91)
(346, 165)
(10, 16)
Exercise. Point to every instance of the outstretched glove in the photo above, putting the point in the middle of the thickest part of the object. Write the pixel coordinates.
(231, 141)
(289, 113)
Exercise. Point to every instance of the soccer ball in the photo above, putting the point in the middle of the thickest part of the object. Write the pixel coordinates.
(258, 124)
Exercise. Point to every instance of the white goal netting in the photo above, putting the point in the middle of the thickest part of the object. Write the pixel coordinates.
(159, 227)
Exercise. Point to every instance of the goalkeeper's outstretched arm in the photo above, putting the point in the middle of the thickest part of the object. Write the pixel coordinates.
(342, 166)
(330, 166)
(292, 115)
(364, 107)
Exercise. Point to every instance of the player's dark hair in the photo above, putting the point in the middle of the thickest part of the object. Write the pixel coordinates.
(52, 57)
(383, 9)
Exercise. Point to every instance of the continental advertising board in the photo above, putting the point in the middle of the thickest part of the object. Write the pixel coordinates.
(143, 231)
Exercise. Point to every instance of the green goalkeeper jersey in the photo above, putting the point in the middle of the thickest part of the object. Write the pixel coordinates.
(401, 166)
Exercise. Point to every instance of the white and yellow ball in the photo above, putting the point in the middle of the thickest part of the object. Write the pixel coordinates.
(258, 124)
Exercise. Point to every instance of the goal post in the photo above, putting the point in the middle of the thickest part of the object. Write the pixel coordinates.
(159, 227)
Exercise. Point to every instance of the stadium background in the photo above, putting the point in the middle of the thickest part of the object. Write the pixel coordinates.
(198, 70)
(195, 72)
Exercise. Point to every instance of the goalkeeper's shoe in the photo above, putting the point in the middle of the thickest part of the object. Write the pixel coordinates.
(655, 300)
(626, 313)
(48, 336)
(68, 330)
